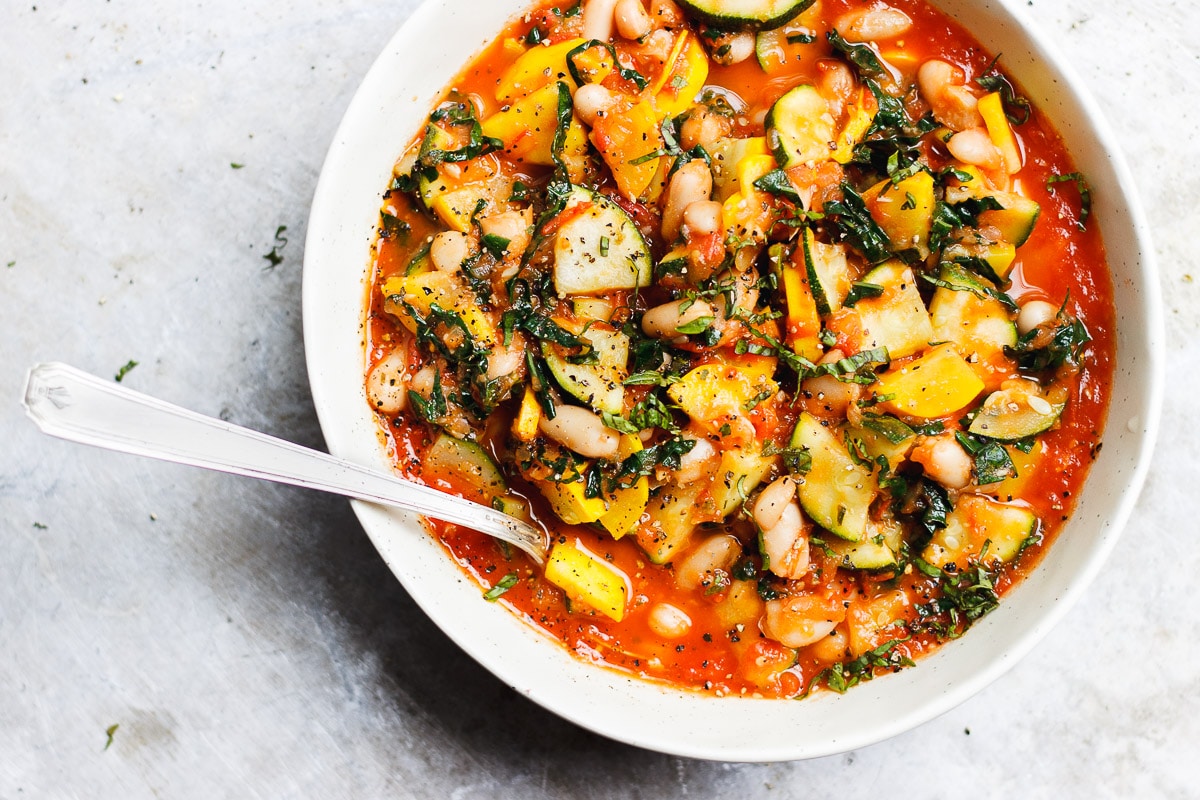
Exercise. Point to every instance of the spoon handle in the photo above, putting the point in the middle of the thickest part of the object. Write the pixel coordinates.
(71, 404)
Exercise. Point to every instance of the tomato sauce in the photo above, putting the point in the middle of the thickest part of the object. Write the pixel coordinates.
(721, 652)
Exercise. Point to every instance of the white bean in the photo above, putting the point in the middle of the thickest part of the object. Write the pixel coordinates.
(666, 13)
(714, 554)
(953, 104)
(668, 621)
(664, 322)
(795, 622)
(745, 290)
(505, 360)
(692, 182)
(598, 19)
(387, 386)
(448, 250)
(934, 76)
(580, 430)
(827, 395)
(833, 646)
(837, 84)
(733, 48)
(785, 544)
(880, 21)
(944, 460)
(592, 101)
(632, 20)
(703, 217)
(768, 508)
(510, 225)
(422, 382)
(695, 463)
(704, 128)
(1035, 313)
(974, 146)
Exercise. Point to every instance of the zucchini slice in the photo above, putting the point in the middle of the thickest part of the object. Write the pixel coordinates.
(896, 319)
(588, 579)
(877, 552)
(800, 128)
(740, 472)
(1017, 410)
(828, 273)
(600, 385)
(670, 525)
(742, 14)
(776, 48)
(883, 435)
(599, 249)
(1016, 217)
(463, 466)
(436, 138)
(934, 384)
(977, 520)
(1015, 220)
(836, 492)
(965, 314)
(569, 501)
(726, 154)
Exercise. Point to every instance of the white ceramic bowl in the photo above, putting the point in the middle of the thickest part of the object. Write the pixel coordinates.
(387, 111)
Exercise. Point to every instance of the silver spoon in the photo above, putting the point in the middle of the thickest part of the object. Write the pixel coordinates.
(71, 404)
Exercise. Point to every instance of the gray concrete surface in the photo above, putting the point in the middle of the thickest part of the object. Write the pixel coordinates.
(245, 639)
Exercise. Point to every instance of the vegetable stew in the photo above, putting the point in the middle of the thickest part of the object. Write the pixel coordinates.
(789, 323)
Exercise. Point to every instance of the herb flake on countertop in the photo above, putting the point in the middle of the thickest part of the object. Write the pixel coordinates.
(109, 731)
(235, 165)
(124, 370)
(274, 257)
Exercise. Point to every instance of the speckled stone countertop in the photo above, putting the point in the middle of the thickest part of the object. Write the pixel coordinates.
(245, 639)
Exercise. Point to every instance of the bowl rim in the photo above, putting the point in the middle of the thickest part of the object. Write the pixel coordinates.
(634, 710)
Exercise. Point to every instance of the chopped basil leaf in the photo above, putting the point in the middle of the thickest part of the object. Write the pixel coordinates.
(503, 585)
(858, 226)
(753, 402)
(1036, 351)
(860, 290)
(992, 462)
(887, 426)
(698, 325)
(496, 245)
(860, 55)
(778, 183)
(846, 674)
(1085, 194)
(1016, 108)
(858, 368)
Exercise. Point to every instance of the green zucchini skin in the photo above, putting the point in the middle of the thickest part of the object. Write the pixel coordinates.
(580, 267)
(1009, 416)
(798, 128)
(464, 463)
(599, 385)
(836, 493)
(745, 14)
